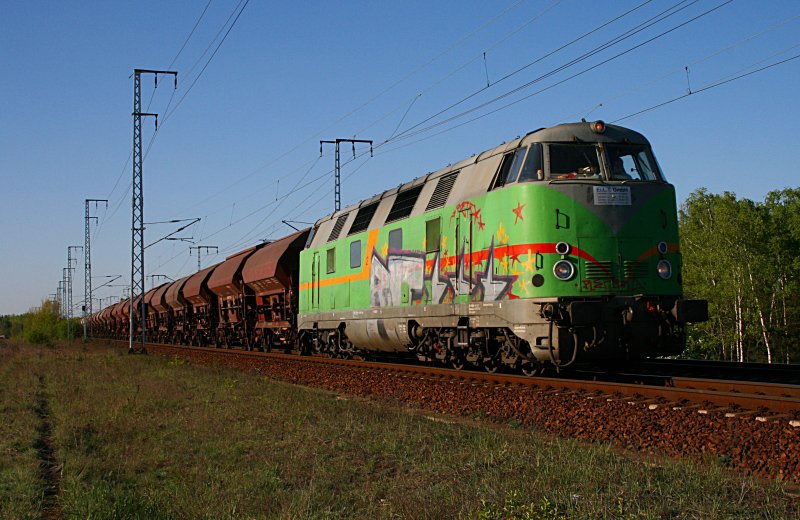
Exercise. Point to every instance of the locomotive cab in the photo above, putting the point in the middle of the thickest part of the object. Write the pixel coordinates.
(616, 272)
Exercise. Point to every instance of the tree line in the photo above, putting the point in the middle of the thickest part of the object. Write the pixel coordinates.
(39, 325)
(744, 258)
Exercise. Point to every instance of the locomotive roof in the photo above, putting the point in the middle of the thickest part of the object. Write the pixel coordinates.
(482, 168)
(577, 132)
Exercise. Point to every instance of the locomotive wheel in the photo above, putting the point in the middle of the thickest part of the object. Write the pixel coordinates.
(491, 365)
(457, 362)
(530, 369)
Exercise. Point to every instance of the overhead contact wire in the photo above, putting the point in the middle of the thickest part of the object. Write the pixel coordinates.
(706, 88)
(578, 74)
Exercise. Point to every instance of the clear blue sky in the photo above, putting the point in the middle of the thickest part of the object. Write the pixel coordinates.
(291, 73)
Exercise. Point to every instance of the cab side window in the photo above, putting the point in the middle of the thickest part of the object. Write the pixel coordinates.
(509, 168)
(533, 169)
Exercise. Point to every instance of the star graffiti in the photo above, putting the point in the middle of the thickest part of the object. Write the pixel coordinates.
(518, 212)
(469, 210)
(486, 285)
(440, 285)
(490, 286)
(530, 263)
(457, 278)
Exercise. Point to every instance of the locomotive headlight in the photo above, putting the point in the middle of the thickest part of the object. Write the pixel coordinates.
(564, 270)
(664, 269)
(663, 248)
(562, 248)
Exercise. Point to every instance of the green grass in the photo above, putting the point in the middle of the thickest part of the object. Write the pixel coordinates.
(20, 487)
(144, 437)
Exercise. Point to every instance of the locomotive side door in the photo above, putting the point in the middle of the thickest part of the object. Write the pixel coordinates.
(315, 281)
(463, 284)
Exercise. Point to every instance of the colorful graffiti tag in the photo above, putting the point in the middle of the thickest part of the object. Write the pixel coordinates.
(398, 277)
(402, 278)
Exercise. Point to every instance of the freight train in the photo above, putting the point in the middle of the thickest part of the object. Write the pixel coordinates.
(557, 248)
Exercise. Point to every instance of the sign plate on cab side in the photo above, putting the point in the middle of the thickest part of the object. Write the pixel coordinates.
(612, 195)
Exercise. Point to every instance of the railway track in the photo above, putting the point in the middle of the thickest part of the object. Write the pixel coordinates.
(758, 372)
(765, 401)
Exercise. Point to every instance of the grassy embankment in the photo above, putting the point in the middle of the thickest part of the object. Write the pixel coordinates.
(143, 437)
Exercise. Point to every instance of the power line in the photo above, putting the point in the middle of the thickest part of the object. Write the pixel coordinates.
(200, 74)
(190, 35)
(696, 61)
(530, 64)
(389, 88)
(240, 10)
(584, 71)
(706, 88)
(603, 25)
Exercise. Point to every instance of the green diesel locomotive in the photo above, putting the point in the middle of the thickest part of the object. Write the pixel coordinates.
(556, 248)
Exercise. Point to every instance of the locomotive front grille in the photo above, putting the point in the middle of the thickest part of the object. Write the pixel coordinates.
(634, 269)
(598, 270)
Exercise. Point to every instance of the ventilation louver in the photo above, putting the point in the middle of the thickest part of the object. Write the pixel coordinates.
(363, 218)
(403, 204)
(337, 228)
(442, 191)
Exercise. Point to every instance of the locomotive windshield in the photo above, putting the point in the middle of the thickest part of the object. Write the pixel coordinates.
(614, 162)
(631, 162)
(574, 161)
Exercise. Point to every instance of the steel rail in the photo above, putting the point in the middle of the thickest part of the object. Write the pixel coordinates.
(766, 372)
(677, 392)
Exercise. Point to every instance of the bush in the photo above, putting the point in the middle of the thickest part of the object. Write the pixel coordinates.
(43, 324)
